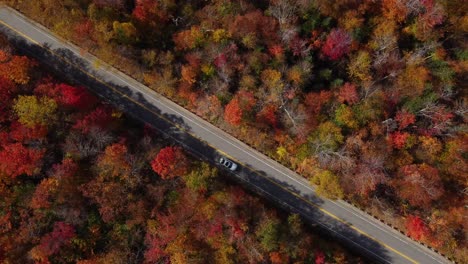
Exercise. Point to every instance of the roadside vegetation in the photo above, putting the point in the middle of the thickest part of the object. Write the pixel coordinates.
(366, 99)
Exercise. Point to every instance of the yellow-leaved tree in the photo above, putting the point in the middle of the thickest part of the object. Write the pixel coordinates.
(32, 111)
(327, 184)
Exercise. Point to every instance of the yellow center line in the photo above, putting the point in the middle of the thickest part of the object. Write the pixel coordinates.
(220, 151)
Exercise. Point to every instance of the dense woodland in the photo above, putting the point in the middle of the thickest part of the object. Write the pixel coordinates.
(365, 98)
(82, 183)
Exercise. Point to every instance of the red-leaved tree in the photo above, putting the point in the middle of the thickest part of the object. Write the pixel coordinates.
(84, 29)
(337, 44)
(22, 133)
(76, 97)
(398, 139)
(149, 12)
(276, 51)
(268, 115)
(319, 257)
(66, 95)
(315, 101)
(16, 159)
(348, 93)
(66, 169)
(404, 119)
(52, 242)
(170, 162)
(7, 90)
(99, 117)
(416, 228)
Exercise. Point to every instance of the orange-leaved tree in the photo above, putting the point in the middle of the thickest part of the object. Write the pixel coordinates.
(233, 112)
(419, 184)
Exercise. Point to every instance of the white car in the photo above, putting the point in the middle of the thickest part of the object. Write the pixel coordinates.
(228, 163)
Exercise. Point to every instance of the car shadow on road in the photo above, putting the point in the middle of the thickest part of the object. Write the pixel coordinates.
(67, 66)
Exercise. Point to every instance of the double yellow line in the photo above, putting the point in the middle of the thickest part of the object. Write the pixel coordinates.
(194, 136)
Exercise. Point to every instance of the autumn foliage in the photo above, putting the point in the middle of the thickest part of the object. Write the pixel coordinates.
(77, 97)
(268, 115)
(233, 112)
(337, 44)
(404, 119)
(420, 184)
(399, 139)
(17, 69)
(7, 90)
(16, 159)
(99, 117)
(25, 134)
(170, 162)
(150, 11)
(416, 228)
(348, 93)
(52, 242)
(369, 91)
(35, 111)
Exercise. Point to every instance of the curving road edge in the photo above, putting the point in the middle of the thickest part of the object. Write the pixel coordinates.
(353, 227)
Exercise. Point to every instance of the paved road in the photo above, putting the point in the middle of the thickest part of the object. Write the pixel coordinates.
(354, 228)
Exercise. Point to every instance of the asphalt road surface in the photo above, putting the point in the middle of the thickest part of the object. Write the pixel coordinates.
(355, 229)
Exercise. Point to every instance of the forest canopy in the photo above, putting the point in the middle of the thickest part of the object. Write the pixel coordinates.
(366, 99)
